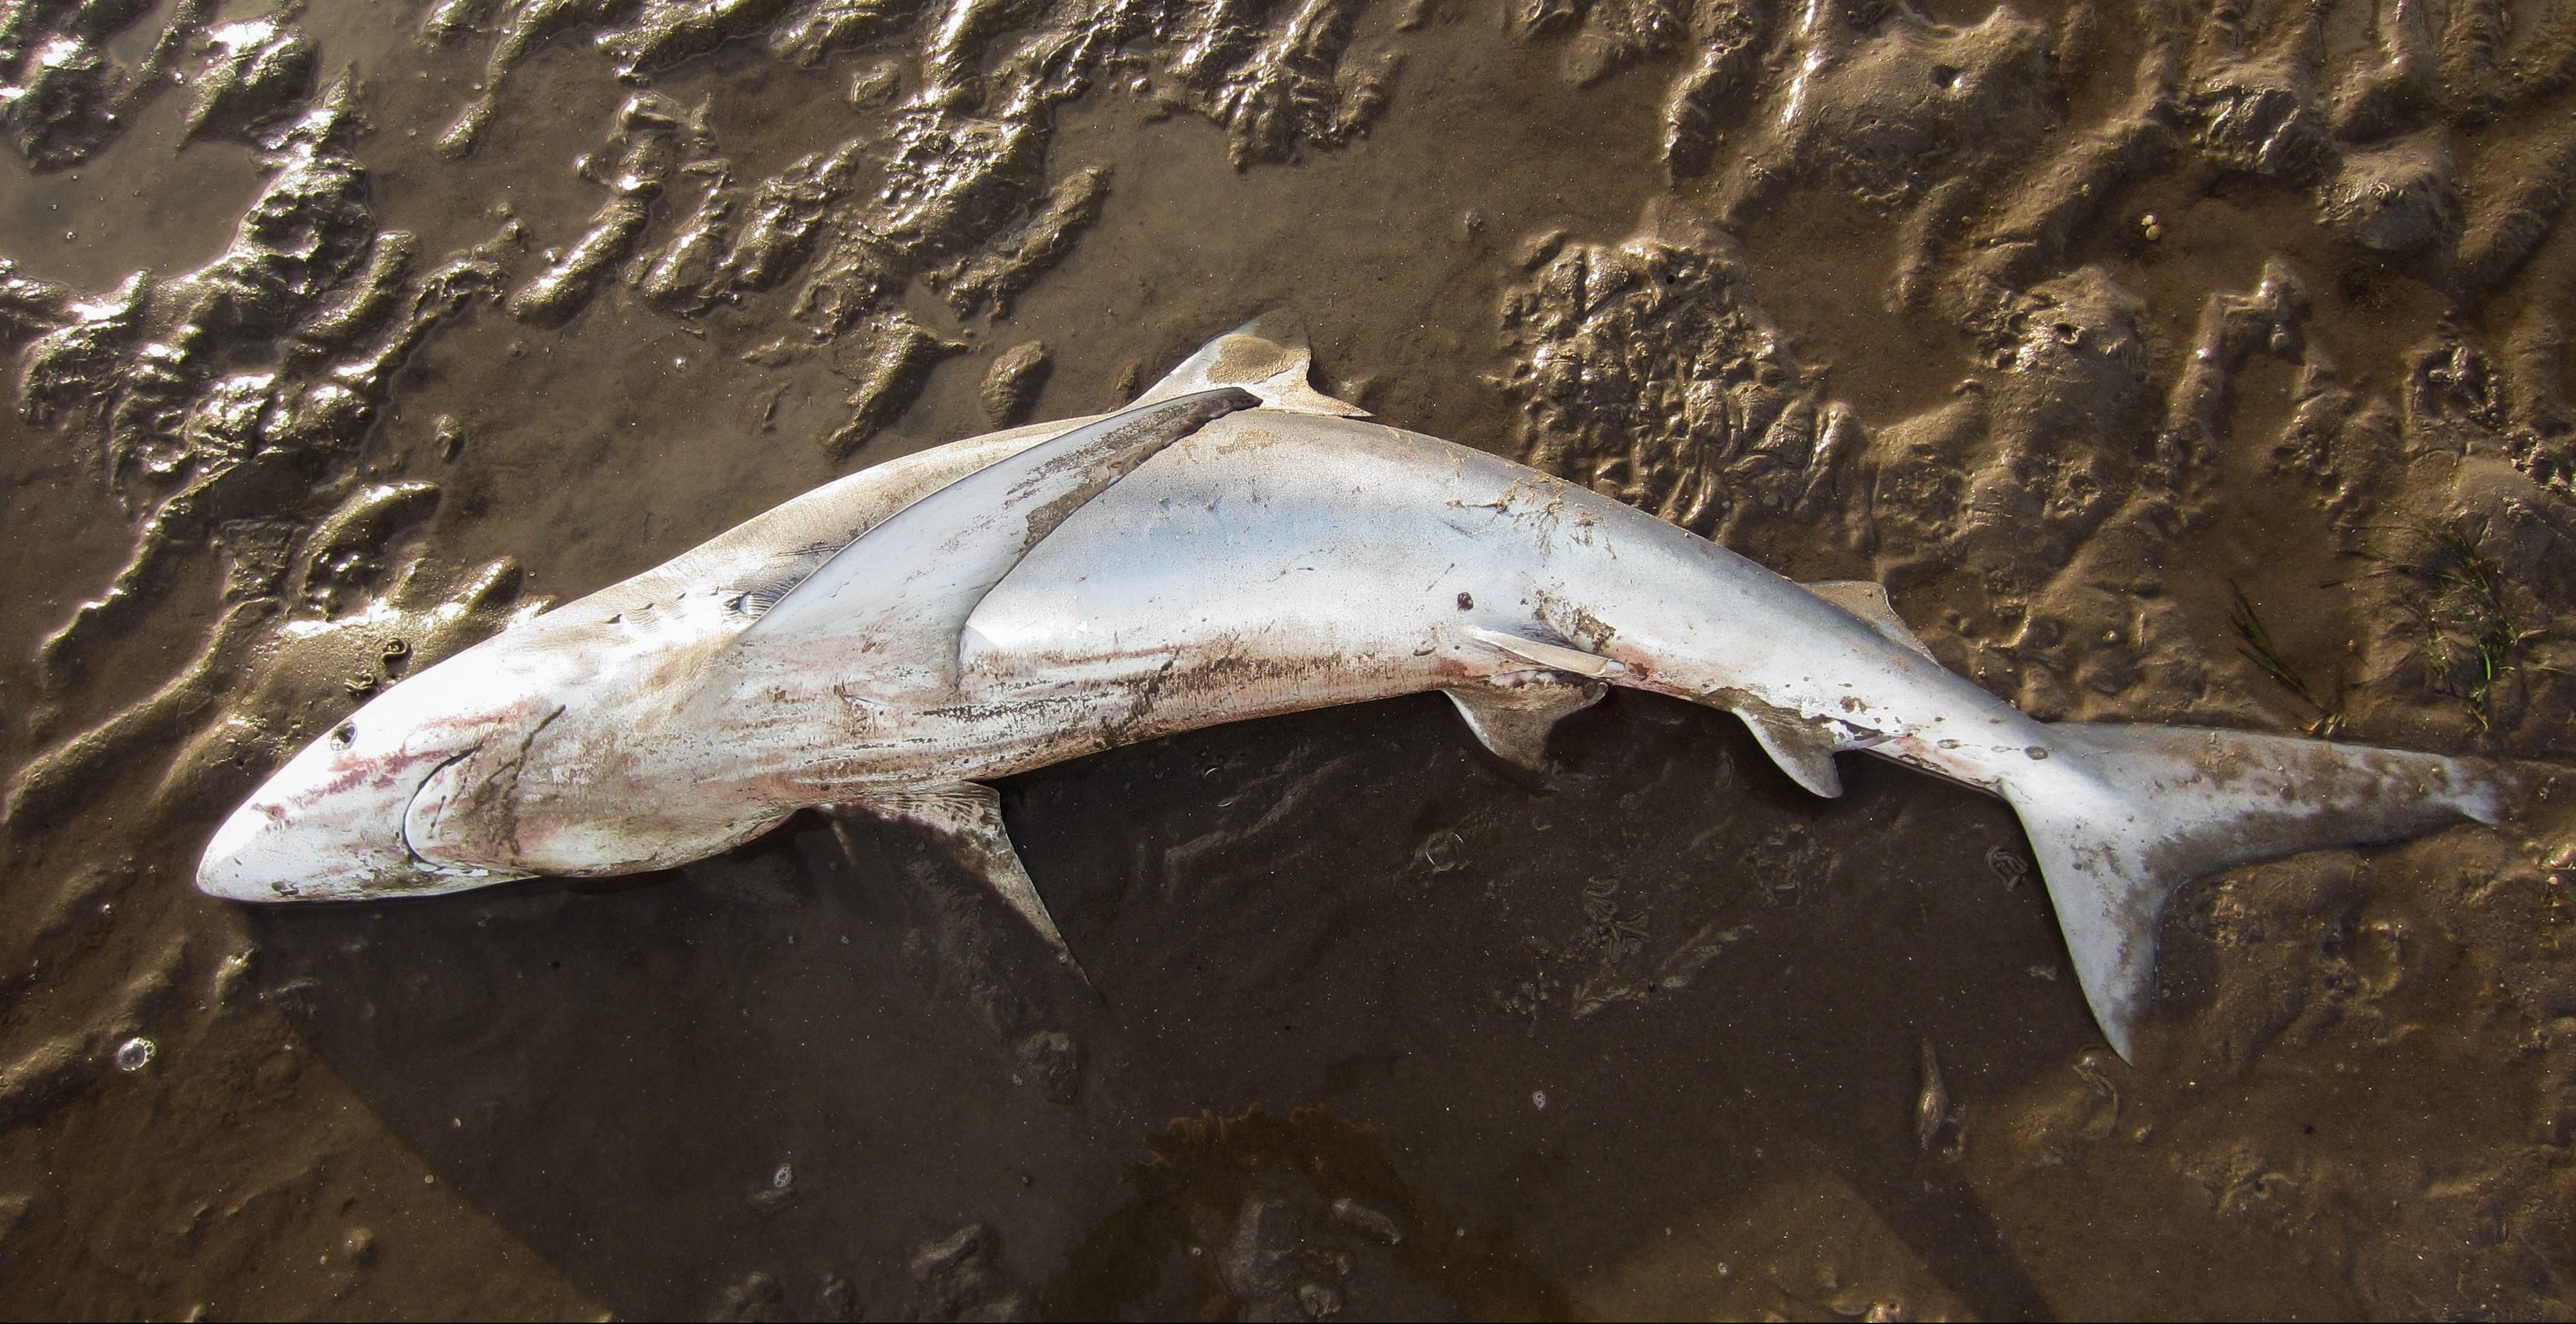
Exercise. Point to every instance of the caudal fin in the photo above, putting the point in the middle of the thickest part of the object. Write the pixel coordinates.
(2122, 816)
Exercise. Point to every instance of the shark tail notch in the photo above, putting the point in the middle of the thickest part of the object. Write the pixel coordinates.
(2121, 817)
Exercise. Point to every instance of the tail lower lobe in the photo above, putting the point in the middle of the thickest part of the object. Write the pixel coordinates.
(2120, 817)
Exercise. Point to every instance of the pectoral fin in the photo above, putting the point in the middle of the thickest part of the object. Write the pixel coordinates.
(1514, 722)
(889, 607)
(1803, 749)
(967, 819)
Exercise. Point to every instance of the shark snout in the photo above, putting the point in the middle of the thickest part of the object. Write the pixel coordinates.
(273, 850)
(251, 858)
(327, 826)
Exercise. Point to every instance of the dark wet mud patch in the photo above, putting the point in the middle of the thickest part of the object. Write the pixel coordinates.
(1225, 1213)
(2302, 577)
(1406, 936)
(1431, 223)
(131, 210)
(2368, 310)
(1827, 268)
(628, 431)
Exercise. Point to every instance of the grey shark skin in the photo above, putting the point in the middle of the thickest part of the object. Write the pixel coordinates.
(1233, 545)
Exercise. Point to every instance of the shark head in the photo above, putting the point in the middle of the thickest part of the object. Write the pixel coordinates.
(330, 824)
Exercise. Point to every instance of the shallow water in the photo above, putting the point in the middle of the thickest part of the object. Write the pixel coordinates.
(2072, 324)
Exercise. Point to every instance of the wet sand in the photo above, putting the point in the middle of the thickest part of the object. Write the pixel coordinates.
(2182, 362)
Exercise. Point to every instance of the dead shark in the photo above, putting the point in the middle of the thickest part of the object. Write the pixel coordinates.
(1231, 545)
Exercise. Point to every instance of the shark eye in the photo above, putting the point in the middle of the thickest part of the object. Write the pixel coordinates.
(343, 734)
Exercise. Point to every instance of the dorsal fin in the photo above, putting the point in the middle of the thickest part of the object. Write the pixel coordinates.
(1868, 601)
(901, 593)
(1266, 356)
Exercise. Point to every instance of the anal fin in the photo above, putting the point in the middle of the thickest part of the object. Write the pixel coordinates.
(1513, 721)
(967, 819)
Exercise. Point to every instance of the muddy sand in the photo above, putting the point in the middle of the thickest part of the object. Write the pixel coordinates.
(2184, 360)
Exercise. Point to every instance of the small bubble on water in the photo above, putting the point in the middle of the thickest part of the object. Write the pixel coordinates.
(1538, 1100)
(783, 1178)
(135, 1054)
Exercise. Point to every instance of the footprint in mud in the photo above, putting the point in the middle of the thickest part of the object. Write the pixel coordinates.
(1303, 1217)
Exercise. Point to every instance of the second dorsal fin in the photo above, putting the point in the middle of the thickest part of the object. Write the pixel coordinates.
(895, 601)
(1868, 601)
(1266, 356)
